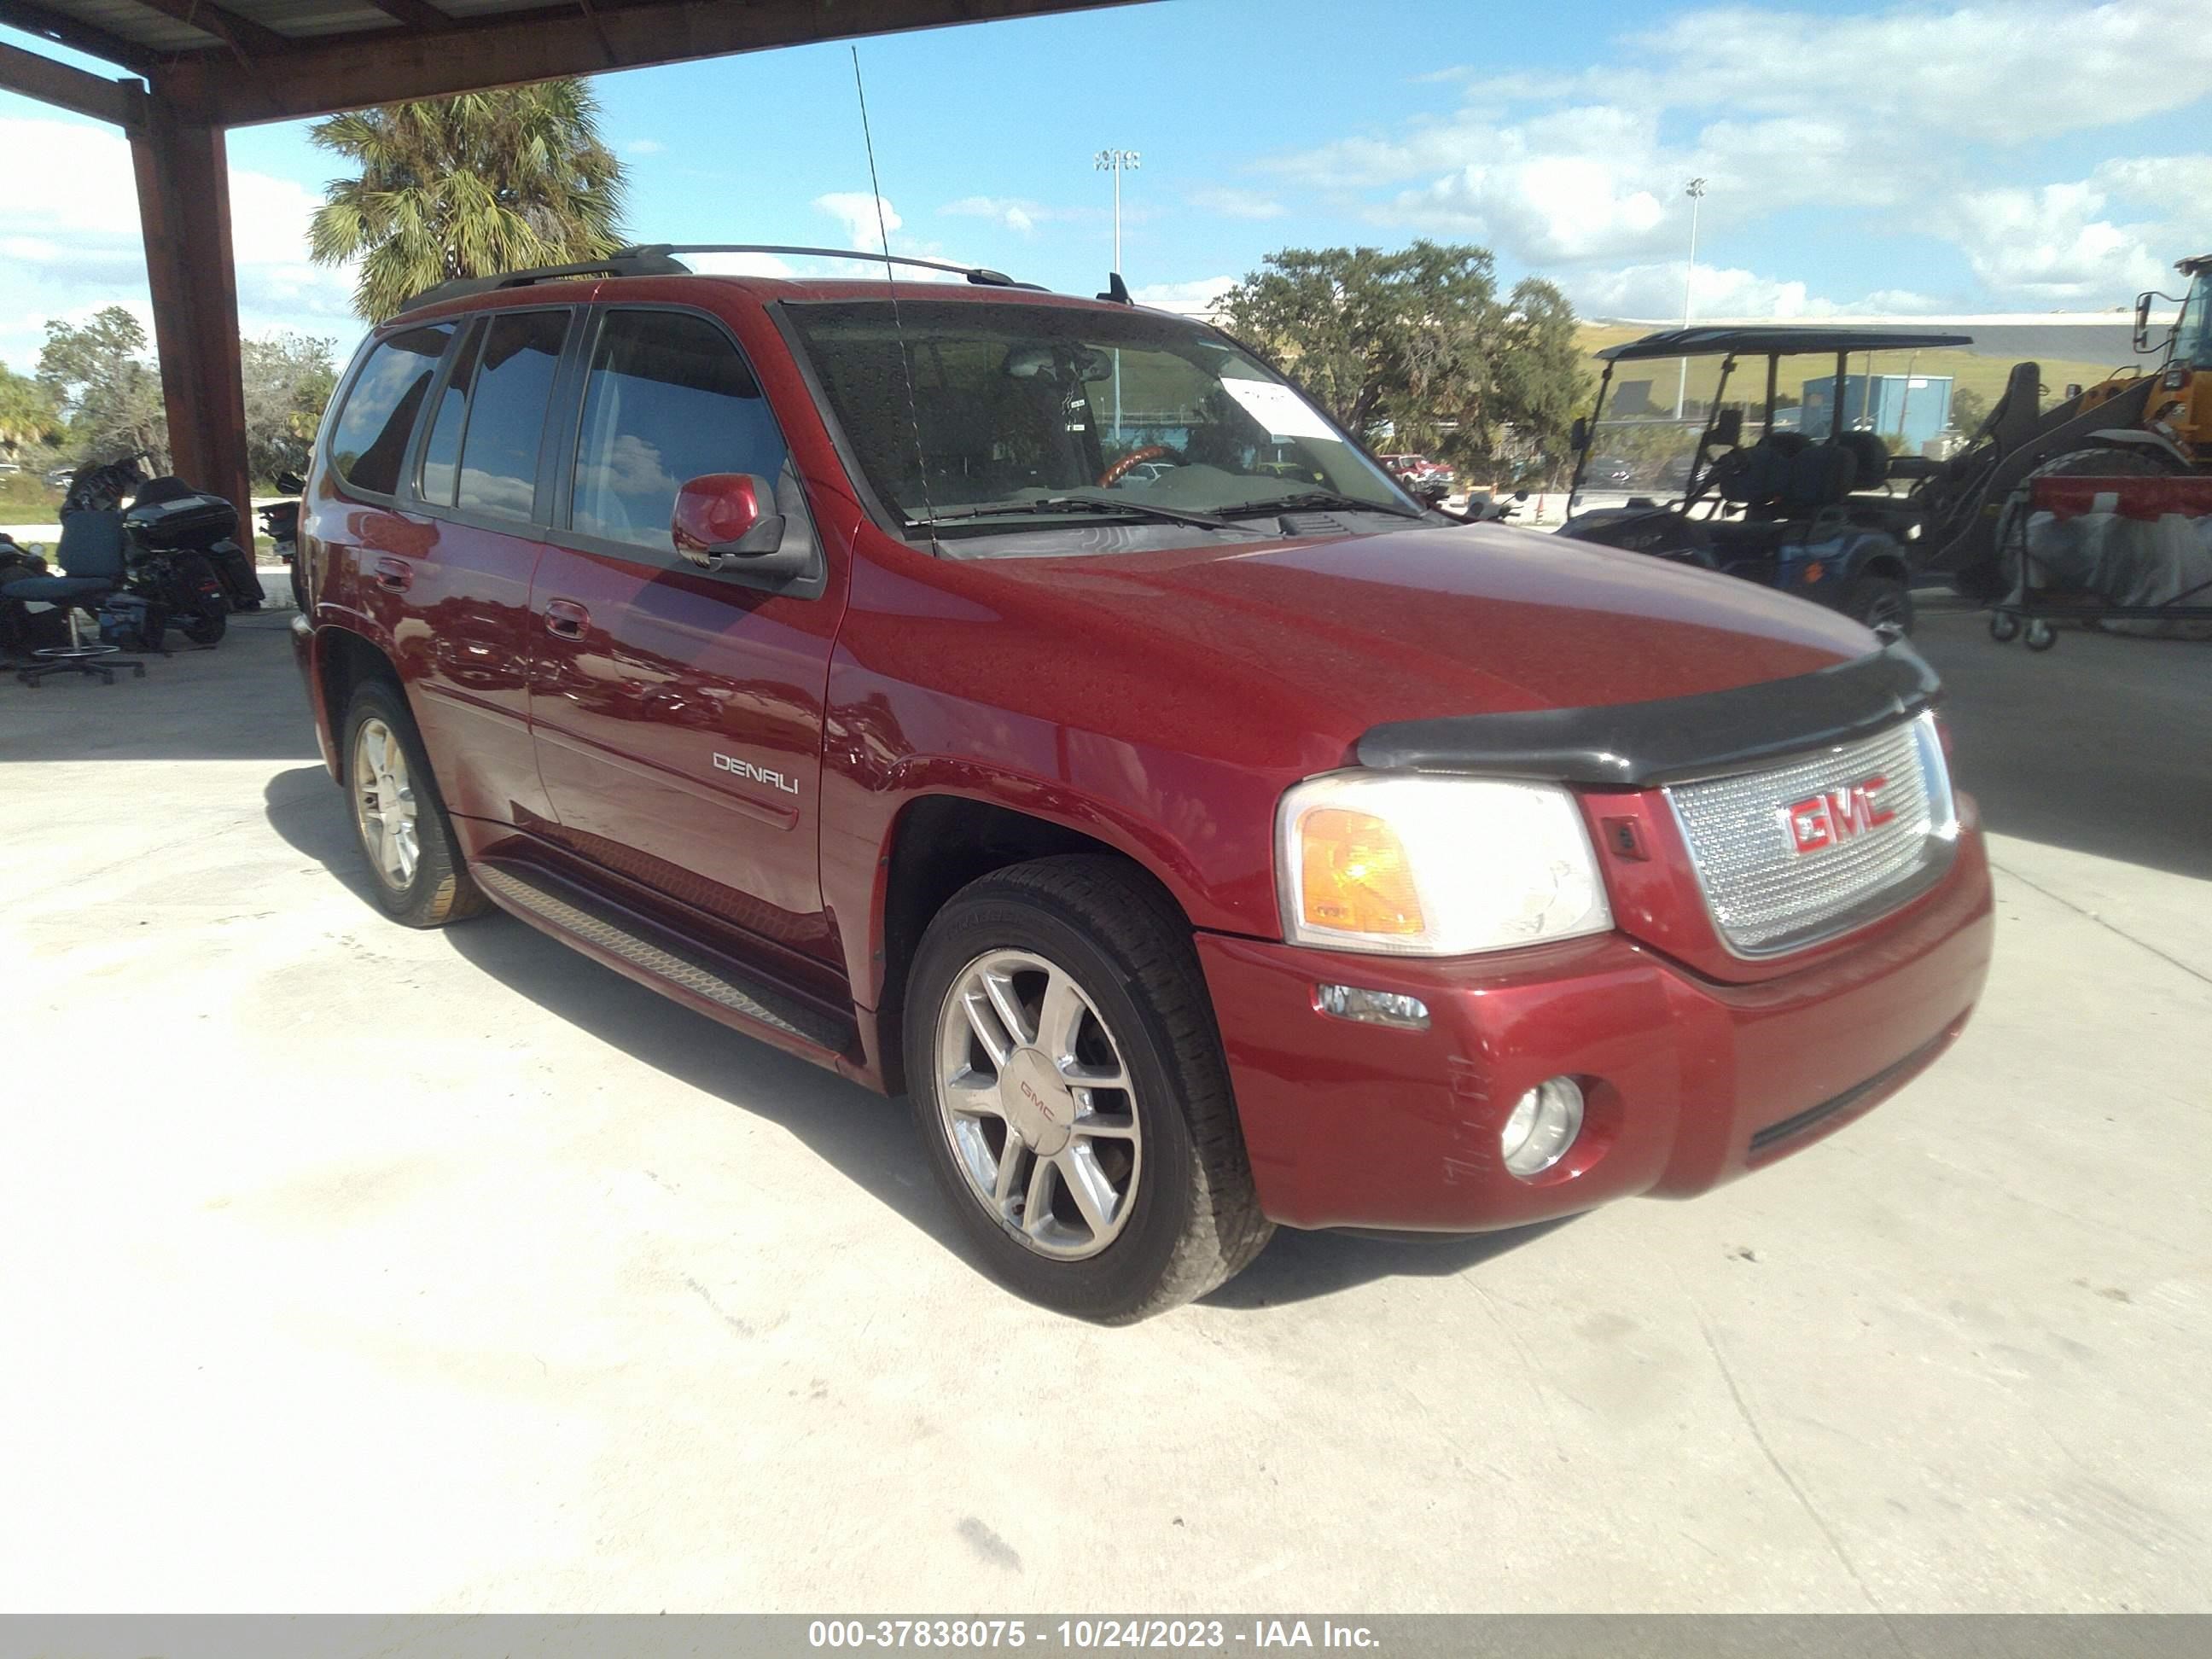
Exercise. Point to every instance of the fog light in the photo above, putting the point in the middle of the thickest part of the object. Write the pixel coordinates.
(1373, 1007)
(1543, 1124)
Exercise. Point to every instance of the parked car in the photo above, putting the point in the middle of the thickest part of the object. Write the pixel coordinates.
(1227, 852)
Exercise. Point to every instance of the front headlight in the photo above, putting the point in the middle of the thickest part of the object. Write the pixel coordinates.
(1423, 865)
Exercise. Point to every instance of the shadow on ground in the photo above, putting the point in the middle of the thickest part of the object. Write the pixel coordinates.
(865, 1137)
(2098, 744)
(238, 700)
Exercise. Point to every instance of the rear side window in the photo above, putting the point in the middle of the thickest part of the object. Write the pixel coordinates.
(506, 414)
(441, 454)
(668, 399)
(369, 442)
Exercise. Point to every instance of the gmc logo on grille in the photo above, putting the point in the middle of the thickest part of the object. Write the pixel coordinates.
(1831, 819)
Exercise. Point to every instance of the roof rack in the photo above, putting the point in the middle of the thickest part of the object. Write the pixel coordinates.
(658, 259)
(981, 276)
(625, 262)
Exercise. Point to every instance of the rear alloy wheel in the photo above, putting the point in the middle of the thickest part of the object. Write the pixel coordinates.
(1881, 603)
(404, 834)
(1069, 1089)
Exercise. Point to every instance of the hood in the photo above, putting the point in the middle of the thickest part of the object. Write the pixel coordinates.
(1419, 623)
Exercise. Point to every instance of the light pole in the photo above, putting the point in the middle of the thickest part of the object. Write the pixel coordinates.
(1695, 190)
(1117, 162)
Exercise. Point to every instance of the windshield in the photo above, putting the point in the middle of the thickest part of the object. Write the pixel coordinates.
(1017, 406)
(2192, 344)
(1646, 435)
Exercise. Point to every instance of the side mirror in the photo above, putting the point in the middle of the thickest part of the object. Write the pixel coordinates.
(1727, 428)
(2073, 390)
(1578, 435)
(290, 483)
(2142, 321)
(724, 518)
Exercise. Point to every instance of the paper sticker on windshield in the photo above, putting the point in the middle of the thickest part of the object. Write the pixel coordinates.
(1279, 409)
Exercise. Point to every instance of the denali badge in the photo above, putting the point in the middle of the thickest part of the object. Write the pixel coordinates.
(745, 768)
(1835, 817)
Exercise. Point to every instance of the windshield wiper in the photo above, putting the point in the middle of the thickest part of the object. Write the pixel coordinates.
(1072, 504)
(1316, 500)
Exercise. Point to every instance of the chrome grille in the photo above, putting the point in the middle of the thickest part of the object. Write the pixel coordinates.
(1767, 895)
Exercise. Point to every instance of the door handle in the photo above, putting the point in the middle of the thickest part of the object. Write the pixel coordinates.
(565, 619)
(394, 574)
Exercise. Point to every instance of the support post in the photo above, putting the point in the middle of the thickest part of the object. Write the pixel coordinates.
(184, 207)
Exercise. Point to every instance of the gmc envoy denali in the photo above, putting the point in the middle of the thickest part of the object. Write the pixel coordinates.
(1036, 705)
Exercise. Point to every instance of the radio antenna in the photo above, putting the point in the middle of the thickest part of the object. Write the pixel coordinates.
(898, 331)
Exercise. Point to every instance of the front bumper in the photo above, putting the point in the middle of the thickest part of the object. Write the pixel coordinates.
(1689, 1082)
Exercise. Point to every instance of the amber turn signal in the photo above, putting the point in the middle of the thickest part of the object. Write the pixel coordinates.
(1356, 876)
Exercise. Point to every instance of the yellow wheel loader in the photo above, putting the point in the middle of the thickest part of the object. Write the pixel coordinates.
(2139, 424)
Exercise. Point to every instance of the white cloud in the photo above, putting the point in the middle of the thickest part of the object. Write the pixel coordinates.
(1237, 204)
(1006, 210)
(740, 264)
(856, 211)
(2003, 72)
(1653, 292)
(2054, 244)
(70, 229)
(1888, 114)
(643, 147)
(1190, 298)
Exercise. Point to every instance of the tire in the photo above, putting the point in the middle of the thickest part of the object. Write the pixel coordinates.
(414, 866)
(1185, 1216)
(202, 622)
(210, 616)
(1881, 603)
(2041, 635)
(2004, 627)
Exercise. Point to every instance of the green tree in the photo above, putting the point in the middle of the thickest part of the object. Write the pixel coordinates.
(1422, 338)
(468, 186)
(27, 415)
(98, 377)
(1969, 408)
(288, 379)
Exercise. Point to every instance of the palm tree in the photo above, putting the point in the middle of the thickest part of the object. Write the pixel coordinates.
(467, 187)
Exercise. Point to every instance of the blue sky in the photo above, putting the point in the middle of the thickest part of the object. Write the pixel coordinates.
(2020, 156)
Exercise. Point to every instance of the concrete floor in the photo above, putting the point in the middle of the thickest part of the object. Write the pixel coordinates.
(348, 1267)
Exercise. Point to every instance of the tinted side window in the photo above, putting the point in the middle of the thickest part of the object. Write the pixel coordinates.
(441, 454)
(668, 399)
(506, 412)
(369, 441)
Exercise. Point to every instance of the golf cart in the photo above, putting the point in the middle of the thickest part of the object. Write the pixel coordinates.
(1815, 513)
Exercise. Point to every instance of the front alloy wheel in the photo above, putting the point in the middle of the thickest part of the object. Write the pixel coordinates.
(1071, 1093)
(1036, 1102)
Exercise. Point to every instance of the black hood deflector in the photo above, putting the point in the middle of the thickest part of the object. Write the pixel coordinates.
(1642, 745)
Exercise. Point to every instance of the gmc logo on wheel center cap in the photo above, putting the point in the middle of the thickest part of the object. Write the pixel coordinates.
(1839, 815)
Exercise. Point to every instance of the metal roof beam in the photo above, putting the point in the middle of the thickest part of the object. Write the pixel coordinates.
(241, 34)
(324, 75)
(415, 13)
(79, 36)
(123, 102)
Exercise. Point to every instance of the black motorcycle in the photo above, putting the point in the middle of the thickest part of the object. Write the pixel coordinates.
(181, 566)
(280, 521)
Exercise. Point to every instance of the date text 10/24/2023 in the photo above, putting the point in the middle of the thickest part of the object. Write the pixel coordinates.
(1086, 1635)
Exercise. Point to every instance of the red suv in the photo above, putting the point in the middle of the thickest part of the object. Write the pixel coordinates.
(1227, 850)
